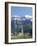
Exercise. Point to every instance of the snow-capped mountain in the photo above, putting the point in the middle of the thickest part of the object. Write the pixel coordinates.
(18, 20)
(22, 20)
(26, 17)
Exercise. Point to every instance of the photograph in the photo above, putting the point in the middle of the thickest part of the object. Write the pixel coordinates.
(20, 22)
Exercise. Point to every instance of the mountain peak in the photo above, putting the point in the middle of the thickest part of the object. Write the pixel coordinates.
(21, 17)
(28, 16)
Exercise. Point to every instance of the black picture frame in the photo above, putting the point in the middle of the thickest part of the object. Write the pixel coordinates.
(6, 21)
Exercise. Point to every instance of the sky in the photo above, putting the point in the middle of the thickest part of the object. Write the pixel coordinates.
(21, 11)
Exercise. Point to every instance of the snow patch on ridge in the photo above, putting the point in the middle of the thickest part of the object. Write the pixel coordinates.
(22, 17)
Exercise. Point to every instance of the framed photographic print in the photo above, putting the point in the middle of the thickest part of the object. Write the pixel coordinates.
(20, 22)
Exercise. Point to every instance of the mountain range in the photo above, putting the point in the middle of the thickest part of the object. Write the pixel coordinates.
(26, 21)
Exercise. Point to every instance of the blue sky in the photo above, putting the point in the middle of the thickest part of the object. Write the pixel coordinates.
(21, 11)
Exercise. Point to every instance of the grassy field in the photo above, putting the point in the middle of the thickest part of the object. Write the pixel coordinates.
(21, 36)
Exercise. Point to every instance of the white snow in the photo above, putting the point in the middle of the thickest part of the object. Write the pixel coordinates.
(28, 16)
(16, 17)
